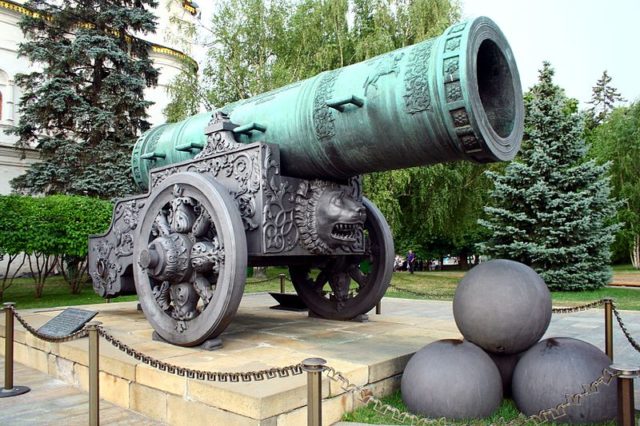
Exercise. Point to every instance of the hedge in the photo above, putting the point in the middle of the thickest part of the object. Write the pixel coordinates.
(52, 231)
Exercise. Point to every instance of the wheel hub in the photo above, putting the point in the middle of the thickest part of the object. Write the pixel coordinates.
(167, 258)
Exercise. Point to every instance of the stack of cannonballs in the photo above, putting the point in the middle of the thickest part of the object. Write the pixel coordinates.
(502, 308)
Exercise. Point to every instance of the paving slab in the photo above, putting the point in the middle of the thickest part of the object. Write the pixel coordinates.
(371, 353)
(54, 402)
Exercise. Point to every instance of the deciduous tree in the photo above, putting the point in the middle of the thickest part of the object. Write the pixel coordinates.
(618, 140)
(260, 45)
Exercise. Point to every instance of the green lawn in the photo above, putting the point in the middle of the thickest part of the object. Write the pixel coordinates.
(504, 414)
(421, 285)
(436, 285)
(56, 291)
(442, 285)
(625, 268)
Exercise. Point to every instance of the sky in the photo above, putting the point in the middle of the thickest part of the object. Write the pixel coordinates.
(580, 38)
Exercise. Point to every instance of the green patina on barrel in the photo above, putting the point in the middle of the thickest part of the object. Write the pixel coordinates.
(454, 97)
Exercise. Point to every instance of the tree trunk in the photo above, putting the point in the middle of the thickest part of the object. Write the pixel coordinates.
(73, 268)
(635, 252)
(463, 259)
(45, 265)
(6, 281)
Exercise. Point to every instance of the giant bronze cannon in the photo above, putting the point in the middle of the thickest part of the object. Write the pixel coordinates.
(274, 180)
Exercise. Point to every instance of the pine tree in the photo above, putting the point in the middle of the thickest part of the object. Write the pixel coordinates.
(83, 106)
(552, 208)
(603, 100)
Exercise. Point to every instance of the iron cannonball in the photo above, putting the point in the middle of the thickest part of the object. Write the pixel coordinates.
(453, 379)
(502, 306)
(506, 364)
(560, 366)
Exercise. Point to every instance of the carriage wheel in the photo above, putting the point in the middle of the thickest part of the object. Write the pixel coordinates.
(343, 287)
(190, 259)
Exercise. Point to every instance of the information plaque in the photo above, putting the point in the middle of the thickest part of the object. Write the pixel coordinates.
(67, 322)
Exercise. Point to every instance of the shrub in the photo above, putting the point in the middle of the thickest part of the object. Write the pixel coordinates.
(52, 231)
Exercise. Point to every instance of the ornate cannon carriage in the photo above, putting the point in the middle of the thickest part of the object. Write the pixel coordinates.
(274, 180)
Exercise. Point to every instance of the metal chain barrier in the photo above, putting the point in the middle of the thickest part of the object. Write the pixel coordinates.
(262, 281)
(568, 310)
(212, 376)
(596, 304)
(552, 414)
(47, 338)
(576, 399)
(267, 280)
(631, 340)
(573, 309)
(365, 396)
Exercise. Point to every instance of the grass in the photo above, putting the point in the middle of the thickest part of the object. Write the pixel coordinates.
(437, 285)
(625, 298)
(57, 293)
(625, 268)
(442, 286)
(420, 285)
(504, 414)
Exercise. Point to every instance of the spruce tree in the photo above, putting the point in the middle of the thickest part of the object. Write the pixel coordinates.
(603, 100)
(552, 208)
(83, 105)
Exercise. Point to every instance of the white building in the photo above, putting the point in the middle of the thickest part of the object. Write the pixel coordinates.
(169, 61)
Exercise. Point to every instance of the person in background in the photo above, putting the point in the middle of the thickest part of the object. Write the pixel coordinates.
(397, 263)
(411, 260)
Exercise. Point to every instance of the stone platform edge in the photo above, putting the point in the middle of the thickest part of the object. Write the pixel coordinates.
(176, 400)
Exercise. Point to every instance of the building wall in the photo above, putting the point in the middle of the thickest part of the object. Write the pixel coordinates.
(14, 162)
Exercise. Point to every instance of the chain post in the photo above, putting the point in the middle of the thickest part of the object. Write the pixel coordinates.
(94, 371)
(281, 283)
(378, 308)
(626, 409)
(608, 327)
(314, 368)
(9, 389)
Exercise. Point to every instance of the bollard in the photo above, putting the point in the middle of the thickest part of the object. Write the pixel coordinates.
(94, 371)
(626, 409)
(378, 308)
(608, 327)
(9, 389)
(281, 283)
(314, 368)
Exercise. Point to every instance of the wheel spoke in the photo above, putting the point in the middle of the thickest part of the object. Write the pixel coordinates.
(345, 300)
(339, 282)
(162, 224)
(320, 281)
(358, 276)
(190, 259)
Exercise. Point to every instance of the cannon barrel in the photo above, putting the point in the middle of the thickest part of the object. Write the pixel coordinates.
(454, 97)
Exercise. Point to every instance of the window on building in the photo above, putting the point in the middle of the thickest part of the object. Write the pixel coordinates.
(4, 87)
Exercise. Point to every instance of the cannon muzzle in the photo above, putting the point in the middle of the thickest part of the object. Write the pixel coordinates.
(453, 97)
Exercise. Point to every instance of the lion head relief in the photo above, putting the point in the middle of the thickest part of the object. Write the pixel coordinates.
(327, 216)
